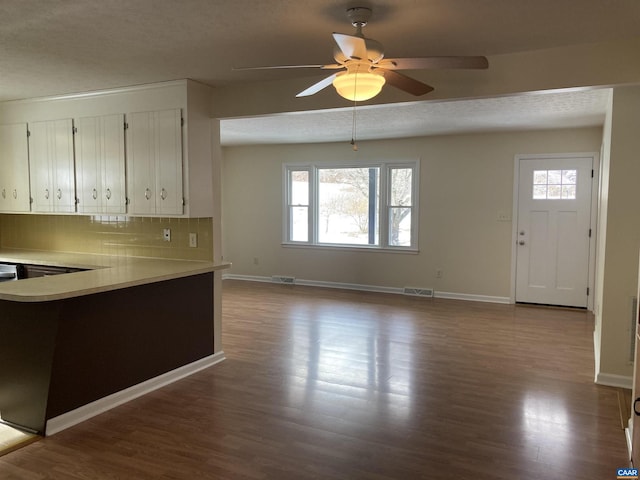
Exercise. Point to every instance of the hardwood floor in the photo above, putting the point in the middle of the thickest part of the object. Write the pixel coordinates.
(332, 384)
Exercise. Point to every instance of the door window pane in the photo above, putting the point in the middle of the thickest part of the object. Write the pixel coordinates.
(554, 184)
(540, 177)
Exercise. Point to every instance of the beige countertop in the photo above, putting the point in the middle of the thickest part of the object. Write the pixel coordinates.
(106, 273)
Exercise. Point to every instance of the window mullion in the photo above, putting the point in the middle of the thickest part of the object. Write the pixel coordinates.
(313, 205)
(383, 217)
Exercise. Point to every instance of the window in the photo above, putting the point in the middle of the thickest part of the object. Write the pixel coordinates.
(298, 205)
(369, 206)
(554, 184)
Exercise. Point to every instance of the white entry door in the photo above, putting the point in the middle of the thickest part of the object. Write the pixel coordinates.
(553, 230)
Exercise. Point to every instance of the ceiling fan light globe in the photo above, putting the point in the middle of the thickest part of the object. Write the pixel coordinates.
(358, 87)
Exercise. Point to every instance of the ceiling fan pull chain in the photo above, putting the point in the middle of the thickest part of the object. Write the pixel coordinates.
(354, 145)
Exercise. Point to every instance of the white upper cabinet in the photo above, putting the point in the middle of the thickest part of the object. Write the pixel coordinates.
(52, 166)
(14, 168)
(100, 164)
(163, 164)
(154, 162)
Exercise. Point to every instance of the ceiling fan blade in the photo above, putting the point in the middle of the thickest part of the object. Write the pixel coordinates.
(316, 87)
(404, 83)
(353, 47)
(276, 67)
(420, 63)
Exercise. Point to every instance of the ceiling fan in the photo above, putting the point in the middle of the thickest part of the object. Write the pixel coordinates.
(364, 70)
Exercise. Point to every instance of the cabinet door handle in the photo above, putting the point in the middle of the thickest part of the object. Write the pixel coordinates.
(635, 410)
(108, 194)
(59, 194)
(15, 193)
(94, 194)
(163, 194)
(46, 193)
(147, 193)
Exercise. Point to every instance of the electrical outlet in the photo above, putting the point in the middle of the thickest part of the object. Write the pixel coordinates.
(193, 240)
(256, 261)
(439, 273)
(166, 234)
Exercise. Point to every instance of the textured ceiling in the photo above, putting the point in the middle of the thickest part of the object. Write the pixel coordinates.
(581, 108)
(52, 47)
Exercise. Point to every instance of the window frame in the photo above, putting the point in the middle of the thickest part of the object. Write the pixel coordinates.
(384, 208)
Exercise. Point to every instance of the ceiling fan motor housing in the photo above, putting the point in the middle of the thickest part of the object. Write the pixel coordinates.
(359, 16)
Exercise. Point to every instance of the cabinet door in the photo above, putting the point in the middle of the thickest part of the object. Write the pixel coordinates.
(140, 140)
(63, 171)
(169, 162)
(52, 172)
(40, 165)
(88, 153)
(112, 172)
(14, 168)
(154, 162)
(100, 164)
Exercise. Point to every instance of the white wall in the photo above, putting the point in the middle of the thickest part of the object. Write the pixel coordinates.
(620, 239)
(466, 180)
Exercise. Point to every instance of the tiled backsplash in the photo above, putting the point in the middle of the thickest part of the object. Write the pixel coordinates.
(108, 234)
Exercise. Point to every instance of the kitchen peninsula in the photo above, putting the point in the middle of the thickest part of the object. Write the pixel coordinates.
(76, 344)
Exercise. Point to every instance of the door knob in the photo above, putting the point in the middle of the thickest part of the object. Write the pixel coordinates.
(635, 409)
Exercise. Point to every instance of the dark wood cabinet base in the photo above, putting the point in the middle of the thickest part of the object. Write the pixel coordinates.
(57, 356)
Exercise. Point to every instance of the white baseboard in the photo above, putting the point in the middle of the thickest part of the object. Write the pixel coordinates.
(611, 380)
(246, 278)
(370, 288)
(472, 297)
(348, 286)
(80, 414)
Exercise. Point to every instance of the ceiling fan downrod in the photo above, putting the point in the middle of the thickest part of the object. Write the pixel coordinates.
(359, 17)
